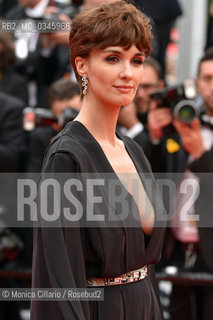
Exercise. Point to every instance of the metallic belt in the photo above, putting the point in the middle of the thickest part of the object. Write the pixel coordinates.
(128, 277)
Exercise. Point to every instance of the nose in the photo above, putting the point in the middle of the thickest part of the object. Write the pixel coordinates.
(126, 72)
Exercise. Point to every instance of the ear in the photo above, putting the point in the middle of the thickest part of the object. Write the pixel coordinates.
(81, 66)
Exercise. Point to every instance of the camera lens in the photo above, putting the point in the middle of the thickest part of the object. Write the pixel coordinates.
(186, 111)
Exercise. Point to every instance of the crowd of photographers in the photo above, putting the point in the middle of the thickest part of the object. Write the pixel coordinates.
(180, 142)
(173, 125)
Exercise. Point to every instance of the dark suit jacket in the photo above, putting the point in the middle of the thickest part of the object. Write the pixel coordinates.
(6, 5)
(38, 141)
(12, 158)
(15, 85)
(12, 139)
(43, 70)
(158, 156)
(162, 161)
(203, 168)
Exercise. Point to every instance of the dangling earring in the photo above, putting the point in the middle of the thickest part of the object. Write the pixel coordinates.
(84, 83)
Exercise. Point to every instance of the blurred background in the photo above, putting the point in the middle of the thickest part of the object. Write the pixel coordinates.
(39, 94)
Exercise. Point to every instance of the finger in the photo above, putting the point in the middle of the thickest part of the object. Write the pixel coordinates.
(64, 17)
(182, 128)
(177, 124)
(162, 112)
(195, 124)
(153, 105)
(161, 117)
(51, 10)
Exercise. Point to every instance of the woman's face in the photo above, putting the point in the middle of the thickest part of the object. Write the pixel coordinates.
(114, 74)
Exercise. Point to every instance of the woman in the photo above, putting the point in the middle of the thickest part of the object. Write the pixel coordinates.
(108, 46)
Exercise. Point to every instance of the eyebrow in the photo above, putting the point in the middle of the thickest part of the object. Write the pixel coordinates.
(117, 51)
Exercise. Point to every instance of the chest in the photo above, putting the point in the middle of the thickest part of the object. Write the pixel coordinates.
(125, 169)
(119, 160)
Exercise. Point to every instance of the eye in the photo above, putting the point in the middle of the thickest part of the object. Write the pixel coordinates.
(112, 59)
(207, 79)
(137, 61)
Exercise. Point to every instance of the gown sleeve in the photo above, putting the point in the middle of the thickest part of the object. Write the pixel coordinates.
(58, 259)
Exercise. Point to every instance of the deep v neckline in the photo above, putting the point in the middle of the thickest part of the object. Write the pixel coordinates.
(137, 167)
(109, 164)
(104, 154)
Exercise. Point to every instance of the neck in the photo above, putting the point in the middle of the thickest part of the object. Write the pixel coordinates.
(100, 119)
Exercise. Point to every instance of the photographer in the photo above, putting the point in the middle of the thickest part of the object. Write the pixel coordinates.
(190, 147)
(152, 80)
(197, 140)
(61, 95)
(12, 142)
(192, 137)
(133, 118)
(11, 82)
(40, 59)
(12, 150)
(187, 147)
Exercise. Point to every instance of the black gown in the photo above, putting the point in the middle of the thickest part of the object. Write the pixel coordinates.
(65, 257)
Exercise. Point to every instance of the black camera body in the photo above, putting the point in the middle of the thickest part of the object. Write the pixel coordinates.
(51, 21)
(68, 114)
(70, 10)
(180, 99)
(40, 117)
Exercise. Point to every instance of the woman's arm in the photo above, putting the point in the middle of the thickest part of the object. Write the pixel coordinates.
(58, 259)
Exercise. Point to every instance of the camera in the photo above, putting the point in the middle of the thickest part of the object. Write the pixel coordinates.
(68, 114)
(36, 117)
(66, 7)
(180, 99)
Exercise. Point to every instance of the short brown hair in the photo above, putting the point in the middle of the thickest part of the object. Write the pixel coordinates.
(155, 65)
(115, 24)
(63, 89)
(208, 56)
